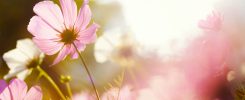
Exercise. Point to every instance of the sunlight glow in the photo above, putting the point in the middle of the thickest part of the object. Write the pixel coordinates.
(157, 23)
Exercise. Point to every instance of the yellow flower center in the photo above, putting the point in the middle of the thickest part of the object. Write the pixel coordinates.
(126, 52)
(68, 36)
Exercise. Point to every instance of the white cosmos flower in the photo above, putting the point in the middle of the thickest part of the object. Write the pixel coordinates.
(22, 59)
(117, 47)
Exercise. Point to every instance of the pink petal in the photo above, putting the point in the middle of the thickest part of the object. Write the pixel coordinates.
(203, 24)
(3, 85)
(83, 19)
(40, 29)
(88, 35)
(6, 95)
(62, 54)
(51, 14)
(69, 9)
(35, 93)
(49, 47)
(213, 22)
(18, 89)
(4, 91)
(80, 47)
(74, 55)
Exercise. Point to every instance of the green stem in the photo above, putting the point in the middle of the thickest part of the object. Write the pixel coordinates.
(86, 68)
(51, 81)
(69, 89)
(38, 77)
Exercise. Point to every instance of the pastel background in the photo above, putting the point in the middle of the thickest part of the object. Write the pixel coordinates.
(172, 57)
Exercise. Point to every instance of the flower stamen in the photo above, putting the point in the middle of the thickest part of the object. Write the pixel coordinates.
(68, 36)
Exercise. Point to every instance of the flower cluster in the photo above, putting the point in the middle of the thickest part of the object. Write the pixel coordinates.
(63, 29)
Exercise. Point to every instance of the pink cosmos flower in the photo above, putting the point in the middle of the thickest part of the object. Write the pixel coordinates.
(17, 90)
(205, 59)
(57, 30)
(213, 22)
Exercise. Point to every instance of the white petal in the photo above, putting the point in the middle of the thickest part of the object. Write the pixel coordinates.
(15, 71)
(105, 44)
(22, 75)
(15, 58)
(28, 47)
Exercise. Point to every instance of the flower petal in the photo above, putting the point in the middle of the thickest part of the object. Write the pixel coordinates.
(80, 47)
(105, 44)
(18, 89)
(62, 54)
(15, 71)
(83, 18)
(41, 29)
(3, 85)
(15, 58)
(213, 22)
(88, 35)
(49, 47)
(23, 74)
(35, 93)
(69, 9)
(28, 47)
(51, 14)
(5, 95)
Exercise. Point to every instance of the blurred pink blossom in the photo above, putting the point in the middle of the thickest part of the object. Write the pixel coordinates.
(205, 59)
(170, 86)
(57, 30)
(213, 22)
(17, 90)
(198, 73)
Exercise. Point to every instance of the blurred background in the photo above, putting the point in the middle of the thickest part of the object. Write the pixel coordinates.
(160, 38)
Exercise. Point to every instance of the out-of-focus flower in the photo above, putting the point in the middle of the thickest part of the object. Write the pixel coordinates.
(170, 86)
(83, 96)
(56, 31)
(22, 59)
(125, 93)
(213, 22)
(17, 90)
(205, 59)
(116, 47)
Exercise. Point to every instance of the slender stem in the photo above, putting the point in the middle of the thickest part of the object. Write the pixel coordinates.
(51, 81)
(38, 77)
(86, 68)
(68, 89)
(119, 90)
